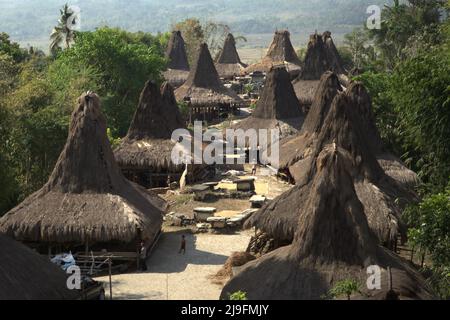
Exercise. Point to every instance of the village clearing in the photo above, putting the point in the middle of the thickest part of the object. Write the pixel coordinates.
(174, 276)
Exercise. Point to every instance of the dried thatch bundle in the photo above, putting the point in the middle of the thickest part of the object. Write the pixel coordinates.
(228, 64)
(321, 56)
(280, 52)
(86, 197)
(178, 66)
(148, 144)
(277, 107)
(333, 242)
(344, 127)
(26, 275)
(203, 86)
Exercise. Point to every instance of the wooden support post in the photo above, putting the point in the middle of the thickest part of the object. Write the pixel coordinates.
(110, 278)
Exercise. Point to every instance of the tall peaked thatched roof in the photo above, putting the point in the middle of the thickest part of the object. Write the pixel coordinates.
(148, 142)
(333, 57)
(86, 197)
(316, 59)
(321, 56)
(281, 48)
(157, 114)
(391, 164)
(280, 51)
(178, 65)
(277, 106)
(26, 275)
(176, 52)
(228, 63)
(378, 192)
(333, 242)
(203, 85)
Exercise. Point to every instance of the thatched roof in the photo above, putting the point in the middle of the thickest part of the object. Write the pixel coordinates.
(321, 56)
(228, 64)
(178, 65)
(277, 107)
(333, 242)
(316, 59)
(148, 143)
(203, 85)
(334, 59)
(86, 197)
(391, 164)
(344, 127)
(26, 275)
(176, 52)
(280, 51)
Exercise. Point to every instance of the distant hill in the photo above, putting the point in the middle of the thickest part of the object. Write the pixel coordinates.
(31, 21)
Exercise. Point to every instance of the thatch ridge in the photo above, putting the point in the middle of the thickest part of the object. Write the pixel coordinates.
(86, 197)
(178, 65)
(203, 85)
(277, 107)
(333, 57)
(321, 57)
(176, 52)
(333, 242)
(228, 63)
(280, 52)
(26, 275)
(148, 143)
(378, 192)
(391, 164)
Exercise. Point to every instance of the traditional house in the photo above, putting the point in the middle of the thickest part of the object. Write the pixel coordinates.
(205, 95)
(280, 51)
(321, 56)
(333, 242)
(87, 203)
(145, 154)
(277, 108)
(228, 64)
(382, 197)
(26, 275)
(178, 65)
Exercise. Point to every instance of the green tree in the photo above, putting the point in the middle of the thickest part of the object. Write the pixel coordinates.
(344, 287)
(63, 32)
(362, 53)
(193, 35)
(123, 61)
(400, 22)
(195, 32)
(12, 49)
(238, 295)
(429, 232)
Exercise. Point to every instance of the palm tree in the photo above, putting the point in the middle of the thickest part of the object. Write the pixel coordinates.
(63, 32)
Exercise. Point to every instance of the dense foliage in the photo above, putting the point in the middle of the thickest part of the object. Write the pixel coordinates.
(38, 94)
(407, 65)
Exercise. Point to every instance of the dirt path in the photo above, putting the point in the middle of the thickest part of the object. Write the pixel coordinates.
(176, 276)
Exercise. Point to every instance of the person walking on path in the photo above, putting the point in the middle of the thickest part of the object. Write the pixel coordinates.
(143, 257)
(254, 169)
(183, 244)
